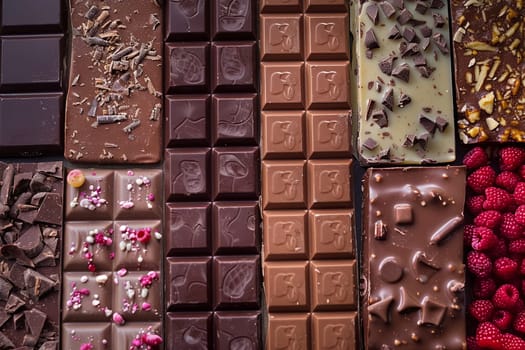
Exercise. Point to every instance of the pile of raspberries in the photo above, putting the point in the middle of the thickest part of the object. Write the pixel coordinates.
(495, 244)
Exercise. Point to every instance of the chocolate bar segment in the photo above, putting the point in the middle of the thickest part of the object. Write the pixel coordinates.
(114, 107)
(413, 258)
(26, 16)
(403, 106)
(30, 251)
(112, 280)
(488, 71)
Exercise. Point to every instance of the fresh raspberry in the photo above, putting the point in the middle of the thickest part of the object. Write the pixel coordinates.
(519, 214)
(468, 232)
(498, 250)
(488, 336)
(507, 180)
(489, 218)
(483, 239)
(506, 297)
(471, 343)
(509, 227)
(521, 171)
(517, 246)
(484, 288)
(481, 310)
(497, 199)
(479, 264)
(519, 322)
(475, 204)
(512, 342)
(481, 179)
(511, 158)
(505, 268)
(475, 158)
(502, 319)
(519, 193)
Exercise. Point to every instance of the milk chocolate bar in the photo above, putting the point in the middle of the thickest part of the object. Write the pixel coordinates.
(413, 258)
(30, 253)
(114, 108)
(112, 280)
(32, 49)
(488, 65)
(403, 104)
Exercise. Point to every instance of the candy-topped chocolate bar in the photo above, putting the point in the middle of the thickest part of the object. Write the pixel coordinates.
(114, 109)
(488, 57)
(413, 258)
(30, 254)
(403, 105)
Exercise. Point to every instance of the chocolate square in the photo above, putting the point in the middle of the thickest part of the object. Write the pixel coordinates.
(28, 16)
(233, 19)
(188, 282)
(329, 183)
(234, 120)
(286, 286)
(333, 330)
(235, 173)
(236, 282)
(187, 174)
(237, 330)
(187, 228)
(233, 66)
(326, 37)
(188, 330)
(136, 194)
(284, 85)
(281, 37)
(327, 85)
(333, 285)
(235, 228)
(329, 134)
(283, 135)
(285, 329)
(285, 235)
(134, 301)
(332, 235)
(283, 184)
(188, 119)
(188, 67)
(187, 20)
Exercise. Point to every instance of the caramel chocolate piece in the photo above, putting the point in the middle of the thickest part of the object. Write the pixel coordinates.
(115, 70)
(413, 264)
(401, 61)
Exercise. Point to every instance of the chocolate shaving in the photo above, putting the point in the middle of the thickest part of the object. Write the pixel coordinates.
(109, 119)
(130, 127)
(91, 13)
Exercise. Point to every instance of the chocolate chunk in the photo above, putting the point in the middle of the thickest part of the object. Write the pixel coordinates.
(372, 12)
(394, 33)
(409, 49)
(427, 123)
(390, 270)
(21, 182)
(18, 321)
(370, 144)
(410, 35)
(371, 40)
(387, 64)
(11, 251)
(422, 139)
(440, 42)
(4, 317)
(399, 4)
(402, 72)
(36, 284)
(421, 7)
(13, 304)
(419, 60)
(426, 31)
(404, 16)
(370, 105)
(29, 340)
(39, 184)
(50, 206)
(384, 154)
(407, 302)
(425, 71)
(387, 8)
(380, 230)
(16, 275)
(439, 21)
(410, 140)
(404, 99)
(403, 213)
(5, 289)
(425, 43)
(30, 241)
(441, 123)
(436, 4)
(380, 117)
(381, 309)
(35, 320)
(388, 99)
(5, 342)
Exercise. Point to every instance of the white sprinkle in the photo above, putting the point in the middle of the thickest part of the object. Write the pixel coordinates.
(84, 279)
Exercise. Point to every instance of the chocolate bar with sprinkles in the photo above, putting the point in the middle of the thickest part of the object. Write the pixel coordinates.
(114, 103)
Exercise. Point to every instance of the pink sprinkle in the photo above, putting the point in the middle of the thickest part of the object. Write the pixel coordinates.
(151, 197)
(130, 173)
(111, 255)
(146, 306)
(136, 342)
(153, 274)
(86, 346)
(84, 291)
(118, 319)
(151, 339)
(108, 241)
(122, 272)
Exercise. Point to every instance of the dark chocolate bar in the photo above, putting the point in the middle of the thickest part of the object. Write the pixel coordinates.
(114, 107)
(111, 282)
(30, 254)
(413, 258)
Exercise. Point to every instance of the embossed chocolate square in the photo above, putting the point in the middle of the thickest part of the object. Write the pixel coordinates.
(135, 302)
(331, 234)
(286, 286)
(235, 228)
(187, 20)
(233, 19)
(285, 235)
(187, 120)
(28, 16)
(332, 330)
(329, 183)
(236, 282)
(136, 194)
(283, 135)
(326, 5)
(186, 174)
(188, 67)
(141, 248)
(284, 184)
(233, 66)
(288, 328)
(235, 173)
(188, 228)
(189, 330)
(187, 282)
(333, 285)
(281, 37)
(280, 6)
(329, 133)
(237, 330)
(327, 84)
(235, 120)
(282, 85)
(327, 37)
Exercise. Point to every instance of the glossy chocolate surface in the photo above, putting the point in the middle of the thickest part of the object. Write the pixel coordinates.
(114, 108)
(27, 16)
(413, 258)
(112, 278)
(30, 251)
(488, 67)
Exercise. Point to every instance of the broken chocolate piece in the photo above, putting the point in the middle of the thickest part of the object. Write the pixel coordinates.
(402, 72)
(371, 40)
(388, 99)
(380, 117)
